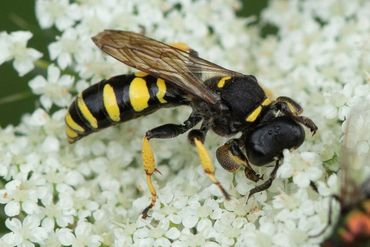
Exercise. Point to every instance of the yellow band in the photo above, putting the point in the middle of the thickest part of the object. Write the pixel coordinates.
(86, 112)
(72, 124)
(110, 103)
(161, 90)
(253, 116)
(139, 94)
(222, 81)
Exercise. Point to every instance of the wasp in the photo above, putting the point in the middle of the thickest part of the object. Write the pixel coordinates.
(353, 225)
(223, 101)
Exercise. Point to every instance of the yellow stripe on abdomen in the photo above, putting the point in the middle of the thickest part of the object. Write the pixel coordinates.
(110, 103)
(71, 134)
(86, 112)
(72, 124)
(139, 94)
(161, 85)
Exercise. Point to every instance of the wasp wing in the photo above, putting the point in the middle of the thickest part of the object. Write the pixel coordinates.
(355, 155)
(164, 61)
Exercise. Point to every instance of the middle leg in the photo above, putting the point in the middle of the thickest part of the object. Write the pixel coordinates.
(196, 138)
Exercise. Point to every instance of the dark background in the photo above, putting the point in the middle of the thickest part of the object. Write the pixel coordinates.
(16, 97)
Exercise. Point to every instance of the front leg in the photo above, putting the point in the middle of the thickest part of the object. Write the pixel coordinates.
(232, 158)
(292, 109)
(164, 131)
(267, 183)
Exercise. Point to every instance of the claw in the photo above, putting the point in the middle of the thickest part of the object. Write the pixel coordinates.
(156, 170)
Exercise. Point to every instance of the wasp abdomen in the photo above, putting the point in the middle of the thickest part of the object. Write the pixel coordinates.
(118, 99)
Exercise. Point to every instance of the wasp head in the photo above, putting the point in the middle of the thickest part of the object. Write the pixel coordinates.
(267, 141)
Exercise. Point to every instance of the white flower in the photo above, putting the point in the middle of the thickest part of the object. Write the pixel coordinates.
(24, 233)
(83, 236)
(91, 193)
(21, 194)
(61, 212)
(304, 168)
(13, 46)
(155, 235)
(52, 240)
(56, 12)
(64, 48)
(54, 89)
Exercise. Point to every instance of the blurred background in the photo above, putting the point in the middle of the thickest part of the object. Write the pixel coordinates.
(15, 96)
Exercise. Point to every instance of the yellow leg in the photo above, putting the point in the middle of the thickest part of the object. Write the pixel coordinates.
(207, 165)
(149, 167)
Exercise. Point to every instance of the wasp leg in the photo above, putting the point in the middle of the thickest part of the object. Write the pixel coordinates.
(197, 137)
(164, 131)
(149, 167)
(292, 109)
(267, 183)
(232, 158)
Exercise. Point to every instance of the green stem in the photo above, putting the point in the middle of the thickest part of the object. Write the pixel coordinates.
(42, 64)
(15, 97)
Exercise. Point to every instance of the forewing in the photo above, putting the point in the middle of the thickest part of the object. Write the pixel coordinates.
(161, 60)
(355, 154)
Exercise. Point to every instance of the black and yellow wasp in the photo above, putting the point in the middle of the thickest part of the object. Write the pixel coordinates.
(224, 101)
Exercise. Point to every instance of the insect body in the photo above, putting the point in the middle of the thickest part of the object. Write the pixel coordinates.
(224, 101)
(353, 226)
(118, 99)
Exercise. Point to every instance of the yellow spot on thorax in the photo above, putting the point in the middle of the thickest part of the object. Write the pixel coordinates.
(222, 81)
(141, 74)
(266, 102)
(139, 94)
(161, 90)
(110, 103)
(86, 112)
(72, 124)
(255, 113)
(181, 46)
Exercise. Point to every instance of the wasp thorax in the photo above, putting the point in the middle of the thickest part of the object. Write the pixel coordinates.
(268, 141)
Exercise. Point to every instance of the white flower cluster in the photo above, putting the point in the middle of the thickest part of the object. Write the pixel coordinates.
(92, 193)
(13, 46)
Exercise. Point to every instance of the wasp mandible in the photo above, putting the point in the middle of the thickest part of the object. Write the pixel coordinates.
(222, 100)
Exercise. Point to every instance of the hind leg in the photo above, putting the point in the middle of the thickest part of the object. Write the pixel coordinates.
(164, 131)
